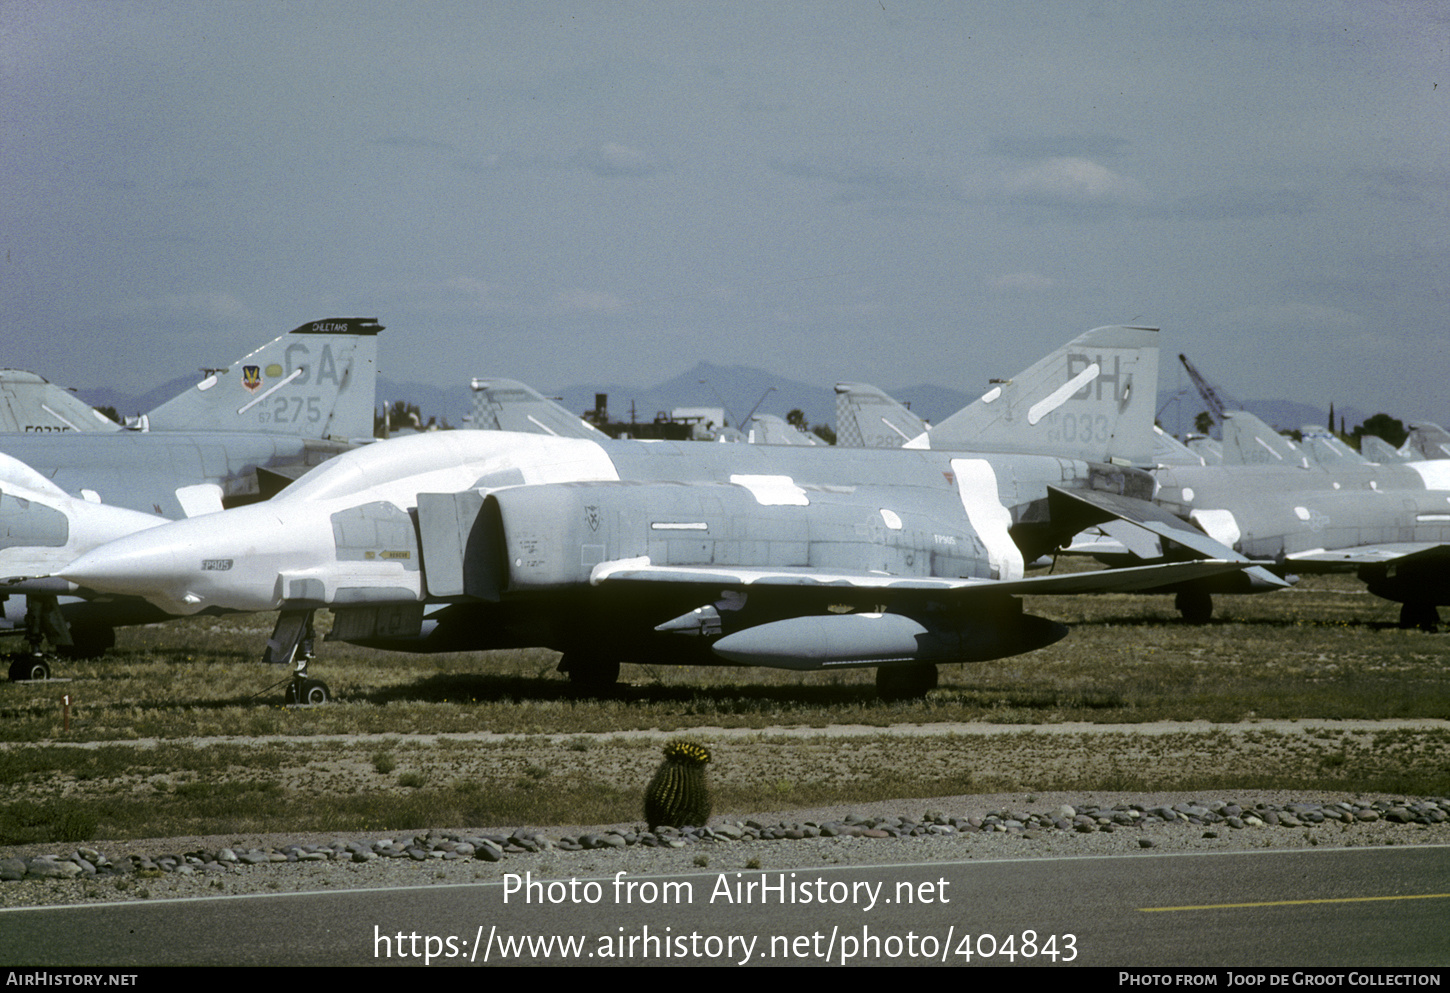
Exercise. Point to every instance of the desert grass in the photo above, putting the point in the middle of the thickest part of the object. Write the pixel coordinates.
(72, 793)
(1324, 651)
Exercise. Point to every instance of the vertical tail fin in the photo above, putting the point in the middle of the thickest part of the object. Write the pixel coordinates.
(508, 405)
(866, 417)
(771, 429)
(319, 381)
(1249, 441)
(1092, 399)
(1427, 441)
(1326, 449)
(1376, 449)
(33, 405)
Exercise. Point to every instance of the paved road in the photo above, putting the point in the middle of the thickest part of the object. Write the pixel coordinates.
(1339, 907)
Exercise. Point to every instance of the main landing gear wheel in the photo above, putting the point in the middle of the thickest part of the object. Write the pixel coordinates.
(1420, 615)
(29, 668)
(1196, 608)
(905, 681)
(590, 672)
(307, 693)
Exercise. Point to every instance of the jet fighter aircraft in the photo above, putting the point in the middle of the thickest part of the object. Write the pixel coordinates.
(1388, 523)
(239, 435)
(795, 557)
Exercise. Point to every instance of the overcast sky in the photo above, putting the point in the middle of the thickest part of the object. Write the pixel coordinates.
(876, 190)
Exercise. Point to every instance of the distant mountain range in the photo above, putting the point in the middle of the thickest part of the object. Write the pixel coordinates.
(739, 389)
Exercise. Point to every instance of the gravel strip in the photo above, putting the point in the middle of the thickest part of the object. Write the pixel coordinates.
(899, 831)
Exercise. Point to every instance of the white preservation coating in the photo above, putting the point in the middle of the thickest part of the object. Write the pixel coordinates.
(1062, 394)
(1219, 525)
(773, 491)
(977, 486)
(1435, 473)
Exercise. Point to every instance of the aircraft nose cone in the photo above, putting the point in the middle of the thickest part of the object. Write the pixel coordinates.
(125, 566)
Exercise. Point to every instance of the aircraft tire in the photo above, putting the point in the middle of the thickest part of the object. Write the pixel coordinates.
(312, 693)
(1420, 615)
(32, 668)
(905, 681)
(1196, 607)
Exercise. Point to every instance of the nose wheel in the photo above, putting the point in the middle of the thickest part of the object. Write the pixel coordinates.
(29, 667)
(305, 692)
(292, 641)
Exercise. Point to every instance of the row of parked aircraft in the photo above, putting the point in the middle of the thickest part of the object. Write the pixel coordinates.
(900, 548)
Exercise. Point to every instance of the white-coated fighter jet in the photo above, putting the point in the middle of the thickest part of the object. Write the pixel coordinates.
(237, 436)
(610, 552)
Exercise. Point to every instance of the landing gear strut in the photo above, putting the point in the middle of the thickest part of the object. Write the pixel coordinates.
(1420, 615)
(589, 672)
(1196, 607)
(42, 619)
(905, 680)
(292, 641)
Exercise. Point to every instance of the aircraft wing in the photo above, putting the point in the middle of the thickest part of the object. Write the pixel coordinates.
(1098, 581)
(509, 405)
(1392, 552)
(931, 619)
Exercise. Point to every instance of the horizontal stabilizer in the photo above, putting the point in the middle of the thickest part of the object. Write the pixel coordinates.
(1156, 520)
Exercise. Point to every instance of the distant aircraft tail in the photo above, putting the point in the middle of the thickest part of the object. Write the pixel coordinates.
(30, 404)
(1093, 399)
(319, 381)
(509, 405)
(866, 417)
(770, 429)
(1326, 449)
(1427, 441)
(1249, 441)
(1376, 449)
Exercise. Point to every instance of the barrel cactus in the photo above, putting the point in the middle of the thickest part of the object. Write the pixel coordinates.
(678, 796)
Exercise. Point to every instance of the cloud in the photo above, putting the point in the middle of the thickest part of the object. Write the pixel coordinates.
(411, 142)
(612, 160)
(471, 287)
(1071, 181)
(1305, 323)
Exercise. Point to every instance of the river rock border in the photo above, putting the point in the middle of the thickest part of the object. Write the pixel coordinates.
(1211, 816)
